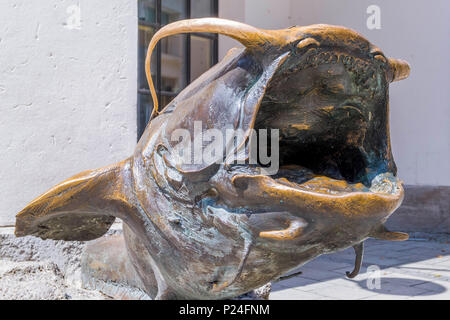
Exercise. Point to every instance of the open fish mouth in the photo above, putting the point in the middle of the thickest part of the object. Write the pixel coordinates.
(305, 179)
(310, 182)
(313, 196)
(335, 157)
(330, 183)
(335, 182)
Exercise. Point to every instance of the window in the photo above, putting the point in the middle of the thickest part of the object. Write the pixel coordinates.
(177, 60)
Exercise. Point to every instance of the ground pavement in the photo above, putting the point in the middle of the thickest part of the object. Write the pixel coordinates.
(413, 269)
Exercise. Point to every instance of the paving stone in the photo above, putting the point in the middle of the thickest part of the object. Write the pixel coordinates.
(344, 293)
(317, 274)
(431, 296)
(363, 273)
(386, 297)
(294, 282)
(438, 287)
(409, 270)
(397, 273)
(332, 265)
(399, 287)
(319, 285)
(292, 294)
(381, 260)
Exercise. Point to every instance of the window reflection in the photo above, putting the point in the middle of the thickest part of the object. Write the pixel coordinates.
(172, 10)
(178, 59)
(201, 8)
(147, 11)
(173, 63)
(145, 107)
(201, 56)
(173, 57)
(145, 34)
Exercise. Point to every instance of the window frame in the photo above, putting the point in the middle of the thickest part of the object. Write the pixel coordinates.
(141, 121)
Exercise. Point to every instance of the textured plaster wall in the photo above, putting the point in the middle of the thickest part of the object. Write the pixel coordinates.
(417, 31)
(67, 92)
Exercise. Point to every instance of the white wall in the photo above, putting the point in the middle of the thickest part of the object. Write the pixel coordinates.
(234, 10)
(417, 31)
(67, 96)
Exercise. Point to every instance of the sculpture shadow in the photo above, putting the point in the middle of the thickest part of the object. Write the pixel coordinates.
(407, 258)
(401, 287)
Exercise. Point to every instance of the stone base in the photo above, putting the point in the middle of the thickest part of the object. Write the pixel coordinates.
(32, 268)
(425, 209)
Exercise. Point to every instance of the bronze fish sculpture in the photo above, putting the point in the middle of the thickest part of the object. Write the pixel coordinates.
(215, 229)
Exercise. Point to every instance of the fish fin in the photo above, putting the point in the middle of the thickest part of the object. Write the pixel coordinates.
(80, 208)
(359, 252)
(382, 233)
(293, 231)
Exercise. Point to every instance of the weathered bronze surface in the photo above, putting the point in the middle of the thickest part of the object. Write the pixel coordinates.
(213, 231)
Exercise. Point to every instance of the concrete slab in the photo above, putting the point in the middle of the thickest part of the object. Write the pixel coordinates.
(406, 270)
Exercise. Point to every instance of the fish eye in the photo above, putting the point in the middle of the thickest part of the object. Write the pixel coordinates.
(307, 43)
(380, 57)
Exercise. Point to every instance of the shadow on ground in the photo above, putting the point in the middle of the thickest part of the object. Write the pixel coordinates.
(416, 268)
